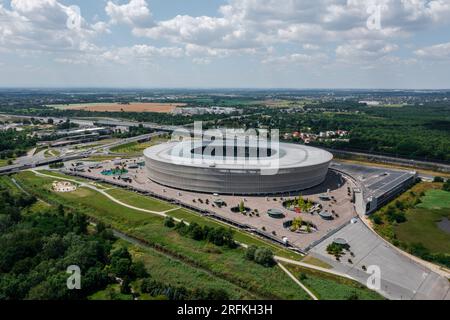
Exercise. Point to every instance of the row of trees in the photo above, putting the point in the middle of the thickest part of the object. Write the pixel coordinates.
(218, 236)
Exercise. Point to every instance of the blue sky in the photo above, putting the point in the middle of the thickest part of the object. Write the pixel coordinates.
(227, 43)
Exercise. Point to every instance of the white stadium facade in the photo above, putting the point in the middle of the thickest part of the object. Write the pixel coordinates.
(236, 169)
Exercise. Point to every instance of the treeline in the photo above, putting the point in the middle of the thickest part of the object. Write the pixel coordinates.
(421, 132)
(37, 247)
(15, 143)
(218, 236)
(132, 132)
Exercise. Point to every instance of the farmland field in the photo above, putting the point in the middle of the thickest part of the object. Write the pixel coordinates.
(118, 107)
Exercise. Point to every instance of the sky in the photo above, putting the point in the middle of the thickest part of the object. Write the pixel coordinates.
(225, 43)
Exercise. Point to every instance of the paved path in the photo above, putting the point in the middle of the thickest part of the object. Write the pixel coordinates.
(165, 214)
(110, 197)
(297, 281)
(310, 266)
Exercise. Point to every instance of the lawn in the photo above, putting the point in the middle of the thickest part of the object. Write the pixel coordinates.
(112, 292)
(135, 148)
(230, 265)
(153, 204)
(421, 225)
(140, 201)
(51, 153)
(435, 199)
(4, 162)
(330, 287)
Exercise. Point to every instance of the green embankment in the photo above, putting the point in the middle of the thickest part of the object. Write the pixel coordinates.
(330, 287)
(222, 263)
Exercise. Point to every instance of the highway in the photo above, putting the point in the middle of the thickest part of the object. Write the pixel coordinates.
(36, 160)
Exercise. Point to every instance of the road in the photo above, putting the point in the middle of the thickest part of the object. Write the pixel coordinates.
(39, 159)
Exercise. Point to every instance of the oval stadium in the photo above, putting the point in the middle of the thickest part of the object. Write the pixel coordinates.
(239, 169)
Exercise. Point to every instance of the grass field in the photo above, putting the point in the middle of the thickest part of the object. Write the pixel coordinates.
(223, 263)
(177, 273)
(421, 225)
(422, 222)
(135, 148)
(51, 153)
(4, 162)
(153, 204)
(329, 287)
(435, 199)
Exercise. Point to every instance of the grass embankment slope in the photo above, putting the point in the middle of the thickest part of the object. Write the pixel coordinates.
(248, 279)
(326, 286)
(423, 208)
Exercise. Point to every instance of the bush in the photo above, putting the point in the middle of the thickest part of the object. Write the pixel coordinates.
(446, 186)
(377, 219)
(169, 222)
(438, 179)
(250, 252)
(264, 257)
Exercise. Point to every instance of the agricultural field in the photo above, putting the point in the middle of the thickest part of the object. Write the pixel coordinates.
(118, 107)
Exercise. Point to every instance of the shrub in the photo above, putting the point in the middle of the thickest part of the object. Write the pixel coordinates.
(446, 186)
(250, 253)
(169, 222)
(264, 257)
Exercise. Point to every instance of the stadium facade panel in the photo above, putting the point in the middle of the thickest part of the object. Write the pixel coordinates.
(241, 170)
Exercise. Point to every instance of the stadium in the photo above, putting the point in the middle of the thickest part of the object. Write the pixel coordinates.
(236, 167)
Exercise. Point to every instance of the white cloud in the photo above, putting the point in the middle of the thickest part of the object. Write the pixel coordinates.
(438, 52)
(298, 59)
(364, 51)
(43, 25)
(135, 13)
(140, 53)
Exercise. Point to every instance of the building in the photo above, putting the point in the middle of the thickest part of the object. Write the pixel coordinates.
(237, 169)
(376, 186)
